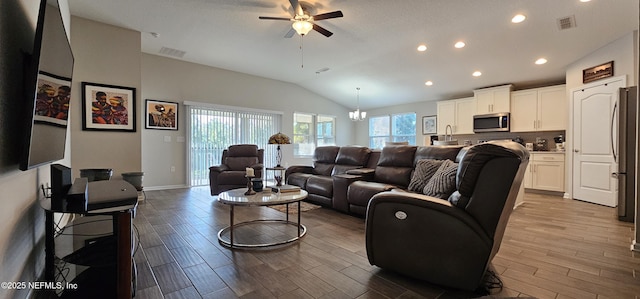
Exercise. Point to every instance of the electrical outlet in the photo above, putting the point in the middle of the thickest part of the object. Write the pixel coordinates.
(173, 169)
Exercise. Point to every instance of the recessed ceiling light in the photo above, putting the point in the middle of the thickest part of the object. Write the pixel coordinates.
(422, 48)
(460, 44)
(585, 0)
(541, 61)
(477, 74)
(428, 83)
(518, 18)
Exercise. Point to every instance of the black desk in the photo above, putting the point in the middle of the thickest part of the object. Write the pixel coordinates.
(116, 198)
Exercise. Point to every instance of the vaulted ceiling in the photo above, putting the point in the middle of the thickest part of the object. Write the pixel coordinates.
(374, 46)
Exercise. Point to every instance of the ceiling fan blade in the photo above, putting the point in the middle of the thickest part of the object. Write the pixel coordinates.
(322, 31)
(290, 33)
(329, 15)
(297, 9)
(274, 18)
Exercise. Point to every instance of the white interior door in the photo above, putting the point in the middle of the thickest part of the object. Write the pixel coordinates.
(593, 160)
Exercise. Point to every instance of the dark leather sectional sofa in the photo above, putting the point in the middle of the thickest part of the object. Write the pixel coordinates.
(345, 178)
(450, 240)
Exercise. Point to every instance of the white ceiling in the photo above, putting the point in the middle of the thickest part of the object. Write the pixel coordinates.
(374, 44)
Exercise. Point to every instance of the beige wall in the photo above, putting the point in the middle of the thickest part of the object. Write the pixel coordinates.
(107, 55)
(177, 81)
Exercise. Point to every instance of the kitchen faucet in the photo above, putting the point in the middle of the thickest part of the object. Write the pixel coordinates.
(445, 133)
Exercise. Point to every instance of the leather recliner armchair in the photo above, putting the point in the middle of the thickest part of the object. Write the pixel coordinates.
(449, 242)
(230, 174)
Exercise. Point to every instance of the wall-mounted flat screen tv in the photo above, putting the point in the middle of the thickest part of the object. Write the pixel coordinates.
(47, 90)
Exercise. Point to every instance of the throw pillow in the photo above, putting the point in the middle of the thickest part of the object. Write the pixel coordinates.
(443, 182)
(425, 168)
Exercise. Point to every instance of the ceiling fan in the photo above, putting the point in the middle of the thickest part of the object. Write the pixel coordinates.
(303, 22)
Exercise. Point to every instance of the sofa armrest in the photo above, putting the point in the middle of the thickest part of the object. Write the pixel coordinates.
(341, 184)
(298, 168)
(219, 168)
(366, 173)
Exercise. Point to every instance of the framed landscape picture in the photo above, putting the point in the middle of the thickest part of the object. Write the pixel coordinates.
(429, 125)
(108, 107)
(161, 115)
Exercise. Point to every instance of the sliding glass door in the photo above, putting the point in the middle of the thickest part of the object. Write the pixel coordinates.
(211, 129)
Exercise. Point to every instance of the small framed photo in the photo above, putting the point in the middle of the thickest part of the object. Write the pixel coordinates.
(429, 125)
(161, 115)
(108, 107)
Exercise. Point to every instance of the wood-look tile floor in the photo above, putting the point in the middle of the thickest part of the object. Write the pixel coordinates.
(553, 248)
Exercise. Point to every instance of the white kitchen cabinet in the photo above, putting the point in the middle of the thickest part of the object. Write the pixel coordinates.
(539, 109)
(456, 113)
(545, 172)
(493, 99)
(446, 115)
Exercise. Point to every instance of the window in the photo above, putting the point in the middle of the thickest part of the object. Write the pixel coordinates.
(213, 129)
(310, 131)
(396, 127)
(325, 131)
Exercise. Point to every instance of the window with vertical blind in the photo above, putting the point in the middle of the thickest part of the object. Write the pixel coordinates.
(213, 128)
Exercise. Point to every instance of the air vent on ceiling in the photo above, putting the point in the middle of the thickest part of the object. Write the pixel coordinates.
(172, 52)
(567, 22)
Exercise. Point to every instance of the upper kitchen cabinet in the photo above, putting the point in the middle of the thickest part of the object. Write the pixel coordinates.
(493, 99)
(458, 114)
(539, 109)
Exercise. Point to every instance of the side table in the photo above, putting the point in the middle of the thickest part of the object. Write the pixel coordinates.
(278, 174)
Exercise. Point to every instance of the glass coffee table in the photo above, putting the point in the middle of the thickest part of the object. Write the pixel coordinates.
(261, 232)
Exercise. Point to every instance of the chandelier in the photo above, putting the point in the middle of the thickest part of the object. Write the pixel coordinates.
(357, 115)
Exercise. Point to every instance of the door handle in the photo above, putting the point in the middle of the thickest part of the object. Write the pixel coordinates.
(614, 175)
(576, 150)
(613, 115)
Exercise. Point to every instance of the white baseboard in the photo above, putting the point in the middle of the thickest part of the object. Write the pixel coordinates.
(635, 246)
(155, 188)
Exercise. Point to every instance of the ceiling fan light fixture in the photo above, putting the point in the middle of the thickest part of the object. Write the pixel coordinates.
(302, 27)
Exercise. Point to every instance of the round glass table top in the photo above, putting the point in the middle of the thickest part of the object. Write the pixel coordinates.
(264, 198)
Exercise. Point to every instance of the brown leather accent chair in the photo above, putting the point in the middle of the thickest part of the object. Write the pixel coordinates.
(230, 174)
(449, 242)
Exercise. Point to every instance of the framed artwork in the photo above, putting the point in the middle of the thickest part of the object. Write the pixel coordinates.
(598, 72)
(161, 115)
(52, 100)
(108, 107)
(429, 125)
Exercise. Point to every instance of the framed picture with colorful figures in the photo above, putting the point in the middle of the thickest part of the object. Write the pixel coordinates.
(108, 107)
(161, 115)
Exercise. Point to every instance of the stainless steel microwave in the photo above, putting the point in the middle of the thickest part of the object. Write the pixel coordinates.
(494, 122)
